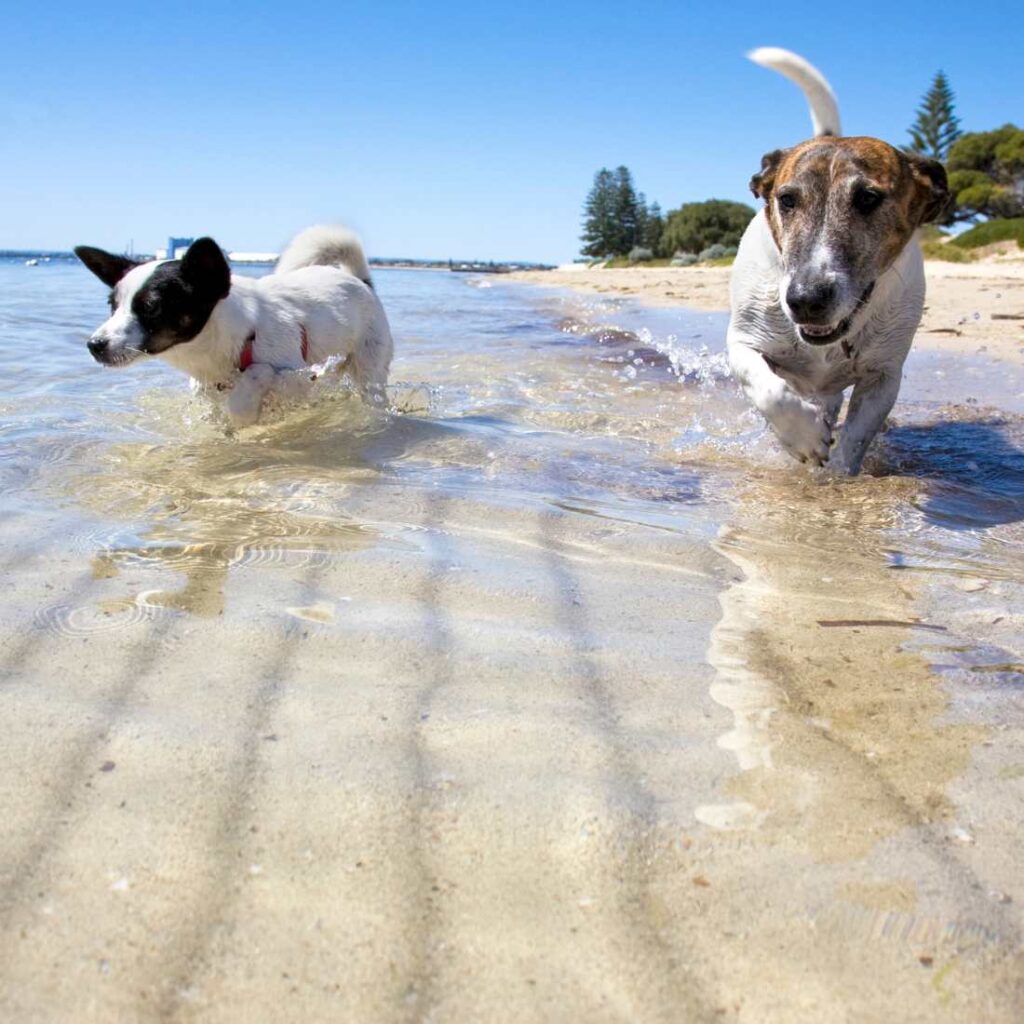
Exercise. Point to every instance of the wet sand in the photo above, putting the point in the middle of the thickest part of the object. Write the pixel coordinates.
(972, 309)
(518, 709)
(453, 775)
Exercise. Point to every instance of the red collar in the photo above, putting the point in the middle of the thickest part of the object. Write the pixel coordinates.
(245, 357)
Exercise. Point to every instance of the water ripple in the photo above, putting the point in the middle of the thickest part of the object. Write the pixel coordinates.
(86, 620)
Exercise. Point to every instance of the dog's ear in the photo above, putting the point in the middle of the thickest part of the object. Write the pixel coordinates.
(105, 265)
(205, 267)
(931, 187)
(761, 184)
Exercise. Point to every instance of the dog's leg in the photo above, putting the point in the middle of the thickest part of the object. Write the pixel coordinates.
(832, 408)
(871, 401)
(370, 364)
(247, 395)
(803, 427)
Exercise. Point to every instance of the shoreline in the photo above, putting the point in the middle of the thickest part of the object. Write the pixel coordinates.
(970, 309)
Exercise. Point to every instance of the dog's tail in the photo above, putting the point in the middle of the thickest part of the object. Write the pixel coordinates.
(824, 109)
(325, 245)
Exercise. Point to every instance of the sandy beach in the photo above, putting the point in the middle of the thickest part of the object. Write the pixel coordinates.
(971, 308)
(564, 698)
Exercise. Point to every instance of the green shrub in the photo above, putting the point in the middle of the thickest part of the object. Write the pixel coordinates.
(716, 252)
(696, 226)
(638, 254)
(684, 259)
(621, 262)
(932, 250)
(1008, 229)
(984, 174)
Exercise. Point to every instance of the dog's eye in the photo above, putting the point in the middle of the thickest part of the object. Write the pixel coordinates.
(787, 201)
(866, 200)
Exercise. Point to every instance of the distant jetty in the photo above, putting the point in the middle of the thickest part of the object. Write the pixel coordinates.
(458, 266)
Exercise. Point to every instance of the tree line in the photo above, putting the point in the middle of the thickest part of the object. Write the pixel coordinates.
(618, 221)
(986, 180)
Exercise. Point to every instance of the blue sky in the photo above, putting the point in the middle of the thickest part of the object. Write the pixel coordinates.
(436, 129)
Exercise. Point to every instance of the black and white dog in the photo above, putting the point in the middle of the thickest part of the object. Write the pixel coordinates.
(239, 331)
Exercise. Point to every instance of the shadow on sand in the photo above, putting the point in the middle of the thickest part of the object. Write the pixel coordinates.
(974, 468)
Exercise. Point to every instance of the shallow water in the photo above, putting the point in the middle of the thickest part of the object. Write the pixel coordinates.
(552, 691)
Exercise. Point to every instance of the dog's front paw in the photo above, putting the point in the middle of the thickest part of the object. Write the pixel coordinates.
(803, 429)
(239, 418)
(847, 457)
(246, 398)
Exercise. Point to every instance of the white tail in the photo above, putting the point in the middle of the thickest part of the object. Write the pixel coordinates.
(822, 101)
(325, 246)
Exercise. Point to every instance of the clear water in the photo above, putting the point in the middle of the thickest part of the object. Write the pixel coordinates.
(563, 608)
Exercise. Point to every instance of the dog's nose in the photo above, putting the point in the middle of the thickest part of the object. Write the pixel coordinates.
(810, 302)
(97, 346)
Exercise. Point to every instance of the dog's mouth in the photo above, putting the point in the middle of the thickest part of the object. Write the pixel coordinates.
(120, 357)
(825, 334)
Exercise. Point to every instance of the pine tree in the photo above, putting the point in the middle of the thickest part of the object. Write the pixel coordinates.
(616, 218)
(937, 127)
(625, 211)
(600, 235)
(653, 226)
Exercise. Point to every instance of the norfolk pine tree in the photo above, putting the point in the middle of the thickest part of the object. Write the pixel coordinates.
(937, 127)
(625, 211)
(600, 236)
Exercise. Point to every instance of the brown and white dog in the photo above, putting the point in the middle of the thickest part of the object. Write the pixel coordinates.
(828, 285)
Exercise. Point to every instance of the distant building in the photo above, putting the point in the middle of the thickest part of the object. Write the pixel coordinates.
(175, 248)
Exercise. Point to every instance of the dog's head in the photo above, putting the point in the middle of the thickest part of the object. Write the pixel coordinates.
(841, 210)
(155, 306)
